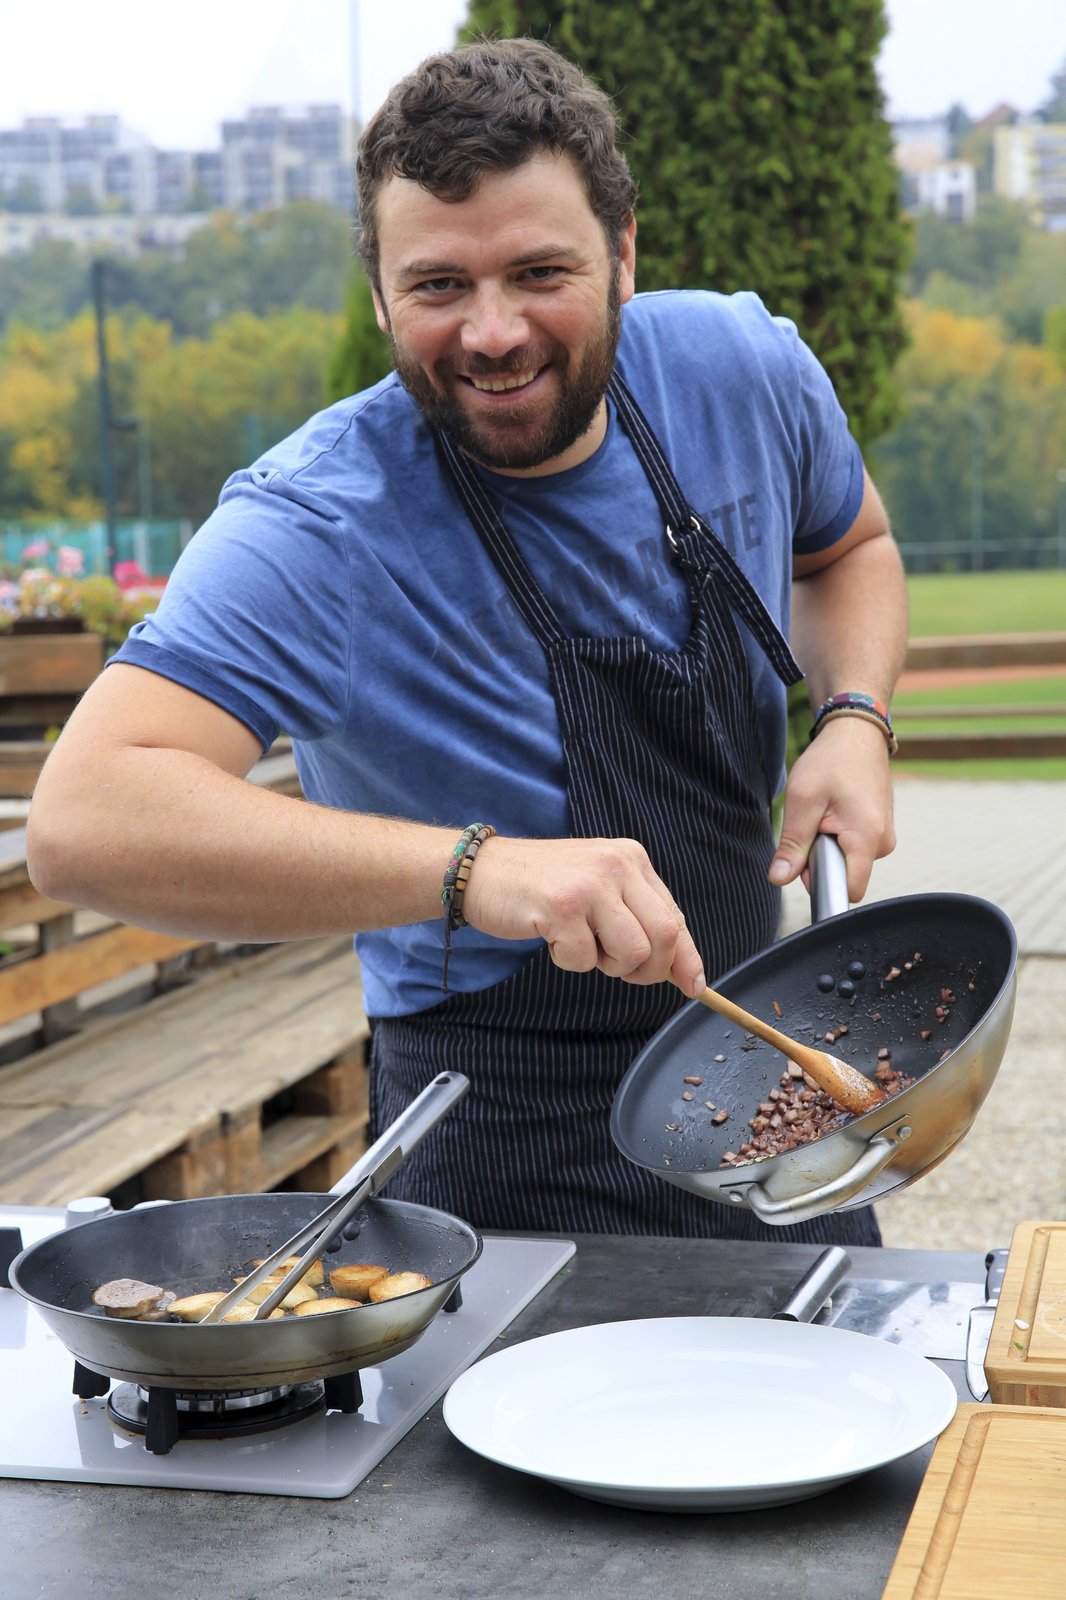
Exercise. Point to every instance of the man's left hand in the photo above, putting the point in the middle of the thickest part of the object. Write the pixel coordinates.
(842, 785)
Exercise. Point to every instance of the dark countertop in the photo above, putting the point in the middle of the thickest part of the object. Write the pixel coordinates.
(436, 1520)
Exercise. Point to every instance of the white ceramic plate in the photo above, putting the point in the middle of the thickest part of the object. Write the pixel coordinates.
(699, 1413)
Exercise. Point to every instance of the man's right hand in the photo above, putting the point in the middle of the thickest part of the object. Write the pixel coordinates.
(596, 903)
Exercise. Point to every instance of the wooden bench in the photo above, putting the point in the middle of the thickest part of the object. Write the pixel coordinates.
(253, 1077)
(147, 1067)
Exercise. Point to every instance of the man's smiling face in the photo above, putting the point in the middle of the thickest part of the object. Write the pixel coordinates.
(503, 312)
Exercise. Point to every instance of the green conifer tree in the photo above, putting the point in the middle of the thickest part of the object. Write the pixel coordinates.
(363, 355)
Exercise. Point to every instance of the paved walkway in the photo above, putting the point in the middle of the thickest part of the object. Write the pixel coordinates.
(1005, 842)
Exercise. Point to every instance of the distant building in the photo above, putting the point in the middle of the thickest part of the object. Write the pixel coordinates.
(999, 117)
(1030, 166)
(123, 235)
(921, 143)
(267, 159)
(949, 189)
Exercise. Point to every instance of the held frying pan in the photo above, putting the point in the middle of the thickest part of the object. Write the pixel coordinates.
(196, 1245)
(941, 965)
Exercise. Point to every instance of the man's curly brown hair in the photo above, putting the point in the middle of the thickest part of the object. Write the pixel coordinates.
(485, 108)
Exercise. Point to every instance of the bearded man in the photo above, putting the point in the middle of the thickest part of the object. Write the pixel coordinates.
(553, 574)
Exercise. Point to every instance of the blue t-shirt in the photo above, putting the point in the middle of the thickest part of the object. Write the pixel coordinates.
(339, 593)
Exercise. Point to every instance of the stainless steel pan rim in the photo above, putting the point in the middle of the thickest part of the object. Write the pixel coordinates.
(241, 1355)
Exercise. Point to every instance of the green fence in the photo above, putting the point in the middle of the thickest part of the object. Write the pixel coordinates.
(154, 545)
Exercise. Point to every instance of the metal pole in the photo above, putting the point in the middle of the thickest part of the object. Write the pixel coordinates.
(144, 467)
(977, 499)
(107, 460)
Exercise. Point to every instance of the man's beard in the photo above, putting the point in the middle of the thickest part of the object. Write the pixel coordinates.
(508, 444)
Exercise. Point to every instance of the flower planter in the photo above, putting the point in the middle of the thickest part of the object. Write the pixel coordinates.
(42, 675)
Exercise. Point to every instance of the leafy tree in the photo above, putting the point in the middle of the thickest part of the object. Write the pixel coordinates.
(299, 255)
(44, 287)
(757, 134)
(981, 253)
(1054, 107)
(81, 202)
(975, 457)
(24, 197)
(1055, 334)
(199, 395)
(959, 123)
(201, 403)
(978, 146)
(363, 355)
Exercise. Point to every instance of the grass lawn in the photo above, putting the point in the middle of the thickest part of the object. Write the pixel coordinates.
(999, 770)
(1043, 691)
(987, 602)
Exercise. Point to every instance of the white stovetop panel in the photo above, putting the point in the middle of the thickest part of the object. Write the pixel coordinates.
(47, 1432)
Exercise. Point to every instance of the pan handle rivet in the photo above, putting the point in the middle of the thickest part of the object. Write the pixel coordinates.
(905, 1132)
(736, 1197)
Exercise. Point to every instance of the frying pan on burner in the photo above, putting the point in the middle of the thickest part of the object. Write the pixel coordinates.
(902, 958)
(197, 1245)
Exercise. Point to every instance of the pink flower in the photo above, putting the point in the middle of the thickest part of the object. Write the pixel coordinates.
(34, 575)
(128, 575)
(37, 550)
(70, 563)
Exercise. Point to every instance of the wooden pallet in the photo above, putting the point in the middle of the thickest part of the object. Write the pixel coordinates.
(251, 1078)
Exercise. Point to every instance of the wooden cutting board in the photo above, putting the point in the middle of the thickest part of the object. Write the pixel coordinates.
(990, 1519)
(1026, 1360)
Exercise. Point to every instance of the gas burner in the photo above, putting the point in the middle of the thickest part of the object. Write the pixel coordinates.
(325, 1455)
(163, 1416)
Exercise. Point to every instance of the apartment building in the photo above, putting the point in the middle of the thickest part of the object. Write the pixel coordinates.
(269, 157)
(1029, 165)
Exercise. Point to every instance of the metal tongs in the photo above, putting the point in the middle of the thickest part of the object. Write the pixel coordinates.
(360, 1183)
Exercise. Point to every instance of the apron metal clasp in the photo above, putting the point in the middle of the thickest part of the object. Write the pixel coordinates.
(678, 555)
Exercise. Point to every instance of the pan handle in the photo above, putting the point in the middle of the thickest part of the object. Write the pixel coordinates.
(829, 878)
(830, 1196)
(410, 1127)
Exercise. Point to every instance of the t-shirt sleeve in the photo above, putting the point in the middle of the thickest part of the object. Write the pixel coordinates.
(256, 616)
(831, 469)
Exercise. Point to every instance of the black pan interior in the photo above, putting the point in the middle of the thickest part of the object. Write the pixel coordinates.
(941, 946)
(195, 1245)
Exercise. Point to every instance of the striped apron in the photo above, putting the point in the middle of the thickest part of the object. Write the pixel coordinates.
(662, 747)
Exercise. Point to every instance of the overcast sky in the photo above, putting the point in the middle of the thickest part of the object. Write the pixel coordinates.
(174, 72)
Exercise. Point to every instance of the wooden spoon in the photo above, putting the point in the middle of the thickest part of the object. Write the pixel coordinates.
(843, 1083)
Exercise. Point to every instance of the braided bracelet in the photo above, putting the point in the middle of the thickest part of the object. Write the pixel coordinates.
(456, 877)
(856, 705)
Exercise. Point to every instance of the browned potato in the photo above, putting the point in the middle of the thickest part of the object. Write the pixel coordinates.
(336, 1302)
(314, 1275)
(194, 1307)
(298, 1293)
(245, 1310)
(161, 1310)
(396, 1284)
(355, 1280)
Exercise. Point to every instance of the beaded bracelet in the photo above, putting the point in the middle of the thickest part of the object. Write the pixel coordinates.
(856, 705)
(456, 877)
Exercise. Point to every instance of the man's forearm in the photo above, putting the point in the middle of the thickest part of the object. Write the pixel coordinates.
(168, 841)
(849, 622)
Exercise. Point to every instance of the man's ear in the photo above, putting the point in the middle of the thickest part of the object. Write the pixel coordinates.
(627, 259)
(380, 312)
